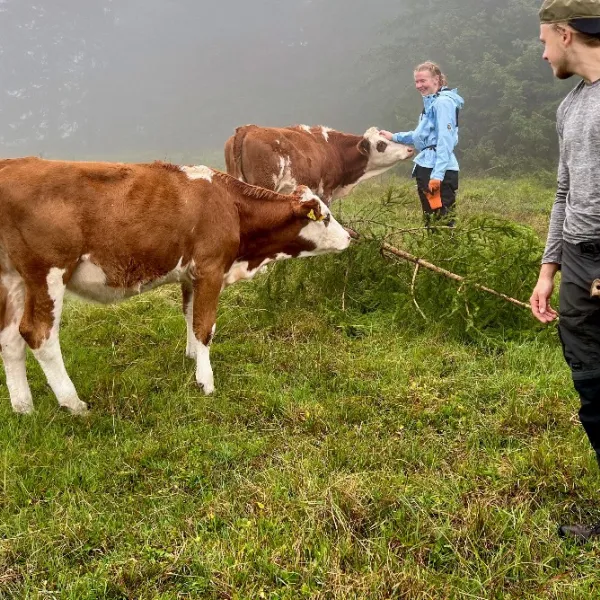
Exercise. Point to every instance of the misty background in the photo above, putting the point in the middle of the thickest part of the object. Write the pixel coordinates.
(140, 80)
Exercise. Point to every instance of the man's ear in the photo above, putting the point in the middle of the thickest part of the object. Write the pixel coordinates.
(364, 146)
(568, 36)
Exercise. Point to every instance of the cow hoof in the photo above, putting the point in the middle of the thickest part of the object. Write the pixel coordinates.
(23, 409)
(207, 388)
(78, 408)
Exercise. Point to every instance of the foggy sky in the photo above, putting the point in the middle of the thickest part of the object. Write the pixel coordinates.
(171, 79)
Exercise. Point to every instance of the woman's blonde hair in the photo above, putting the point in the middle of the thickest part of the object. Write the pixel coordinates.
(434, 70)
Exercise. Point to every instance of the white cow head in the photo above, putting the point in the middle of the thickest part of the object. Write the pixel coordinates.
(321, 229)
(382, 153)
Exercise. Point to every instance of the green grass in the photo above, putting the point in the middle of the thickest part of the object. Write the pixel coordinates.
(352, 450)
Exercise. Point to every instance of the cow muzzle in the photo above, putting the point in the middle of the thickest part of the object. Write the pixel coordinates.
(353, 234)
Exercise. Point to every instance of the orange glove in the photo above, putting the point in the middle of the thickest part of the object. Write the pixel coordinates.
(434, 194)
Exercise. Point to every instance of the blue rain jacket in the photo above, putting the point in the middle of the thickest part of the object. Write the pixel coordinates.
(436, 135)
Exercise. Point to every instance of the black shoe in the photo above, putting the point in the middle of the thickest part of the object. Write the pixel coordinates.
(579, 533)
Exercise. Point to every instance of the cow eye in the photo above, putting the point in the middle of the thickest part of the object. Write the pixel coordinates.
(381, 146)
(327, 219)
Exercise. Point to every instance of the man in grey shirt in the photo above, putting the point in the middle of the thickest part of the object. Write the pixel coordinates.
(570, 31)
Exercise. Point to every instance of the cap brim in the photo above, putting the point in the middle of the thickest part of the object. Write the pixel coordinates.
(589, 26)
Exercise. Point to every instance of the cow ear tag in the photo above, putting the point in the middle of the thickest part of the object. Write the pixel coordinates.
(311, 215)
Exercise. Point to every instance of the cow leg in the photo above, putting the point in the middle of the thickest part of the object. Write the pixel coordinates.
(187, 293)
(12, 344)
(188, 312)
(206, 299)
(39, 327)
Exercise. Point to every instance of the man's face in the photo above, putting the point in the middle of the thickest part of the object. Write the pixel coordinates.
(556, 49)
(426, 83)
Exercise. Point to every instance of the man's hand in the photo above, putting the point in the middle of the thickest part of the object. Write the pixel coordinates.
(540, 299)
(388, 135)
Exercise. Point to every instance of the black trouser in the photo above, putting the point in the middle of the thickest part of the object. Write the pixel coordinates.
(448, 190)
(579, 328)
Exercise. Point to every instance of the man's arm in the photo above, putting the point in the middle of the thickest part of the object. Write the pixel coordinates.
(540, 299)
(554, 241)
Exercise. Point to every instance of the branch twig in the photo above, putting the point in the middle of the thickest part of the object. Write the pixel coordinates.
(423, 263)
(412, 291)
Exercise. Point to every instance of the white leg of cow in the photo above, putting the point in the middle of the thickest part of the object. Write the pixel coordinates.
(48, 353)
(204, 373)
(12, 345)
(13, 355)
(50, 358)
(188, 313)
(206, 298)
(191, 344)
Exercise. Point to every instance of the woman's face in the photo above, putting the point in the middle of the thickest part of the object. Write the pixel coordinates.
(426, 82)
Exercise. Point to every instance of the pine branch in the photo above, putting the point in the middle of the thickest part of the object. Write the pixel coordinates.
(423, 263)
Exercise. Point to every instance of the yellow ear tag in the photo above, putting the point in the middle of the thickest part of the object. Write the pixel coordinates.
(311, 215)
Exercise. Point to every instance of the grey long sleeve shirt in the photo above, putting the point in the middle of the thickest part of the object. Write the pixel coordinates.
(576, 212)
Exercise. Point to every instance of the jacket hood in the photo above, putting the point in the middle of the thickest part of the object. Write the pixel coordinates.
(446, 93)
(453, 94)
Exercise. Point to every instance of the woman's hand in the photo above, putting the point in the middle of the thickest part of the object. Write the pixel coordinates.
(434, 194)
(435, 186)
(386, 134)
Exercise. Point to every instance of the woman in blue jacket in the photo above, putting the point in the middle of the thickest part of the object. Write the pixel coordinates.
(436, 136)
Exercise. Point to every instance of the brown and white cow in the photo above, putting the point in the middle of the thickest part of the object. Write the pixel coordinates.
(329, 162)
(111, 231)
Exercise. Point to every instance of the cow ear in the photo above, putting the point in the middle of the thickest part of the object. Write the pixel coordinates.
(310, 209)
(303, 193)
(364, 146)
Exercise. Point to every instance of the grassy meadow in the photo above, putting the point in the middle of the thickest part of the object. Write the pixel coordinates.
(354, 449)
